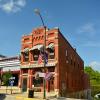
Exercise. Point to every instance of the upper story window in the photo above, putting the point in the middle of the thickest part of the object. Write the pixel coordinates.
(74, 63)
(25, 54)
(78, 65)
(51, 51)
(66, 52)
(36, 53)
(51, 54)
(71, 61)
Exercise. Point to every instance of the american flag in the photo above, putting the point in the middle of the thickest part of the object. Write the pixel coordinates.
(48, 75)
(40, 58)
(43, 56)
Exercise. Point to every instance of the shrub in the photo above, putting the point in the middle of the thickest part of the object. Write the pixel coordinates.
(5, 78)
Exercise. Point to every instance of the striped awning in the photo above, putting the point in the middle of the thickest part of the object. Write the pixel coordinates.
(51, 45)
(37, 47)
(25, 50)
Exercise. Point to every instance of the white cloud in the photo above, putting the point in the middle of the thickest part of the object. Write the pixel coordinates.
(21, 3)
(87, 29)
(12, 5)
(95, 65)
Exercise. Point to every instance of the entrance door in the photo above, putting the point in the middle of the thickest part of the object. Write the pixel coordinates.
(24, 86)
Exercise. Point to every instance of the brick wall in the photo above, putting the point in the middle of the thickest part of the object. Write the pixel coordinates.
(69, 67)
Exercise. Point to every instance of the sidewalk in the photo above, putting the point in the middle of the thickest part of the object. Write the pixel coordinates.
(17, 95)
(14, 91)
(39, 96)
(9, 89)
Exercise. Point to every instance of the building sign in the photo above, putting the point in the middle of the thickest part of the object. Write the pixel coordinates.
(39, 74)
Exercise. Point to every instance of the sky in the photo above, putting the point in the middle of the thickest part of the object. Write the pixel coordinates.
(78, 20)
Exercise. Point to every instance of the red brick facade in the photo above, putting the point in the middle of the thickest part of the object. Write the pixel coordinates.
(63, 60)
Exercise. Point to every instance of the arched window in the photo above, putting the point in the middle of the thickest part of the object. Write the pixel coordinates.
(36, 53)
(35, 50)
(25, 53)
(51, 50)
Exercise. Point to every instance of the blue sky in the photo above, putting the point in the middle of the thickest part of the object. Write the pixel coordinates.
(78, 20)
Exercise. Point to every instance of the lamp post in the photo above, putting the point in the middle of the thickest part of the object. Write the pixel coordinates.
(44, 49)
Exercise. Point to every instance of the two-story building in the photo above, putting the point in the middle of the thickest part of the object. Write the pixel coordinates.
(63, 61)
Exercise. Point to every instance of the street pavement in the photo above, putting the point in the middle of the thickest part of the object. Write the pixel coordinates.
(10, 97)
(5, 94)
(21, 97)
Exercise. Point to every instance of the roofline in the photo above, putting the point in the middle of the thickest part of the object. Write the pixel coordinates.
(7, 58)
(69, 44)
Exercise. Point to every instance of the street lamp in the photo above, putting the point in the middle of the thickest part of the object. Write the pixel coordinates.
(44, 49)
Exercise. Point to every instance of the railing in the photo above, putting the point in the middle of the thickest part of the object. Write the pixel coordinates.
(51, 62)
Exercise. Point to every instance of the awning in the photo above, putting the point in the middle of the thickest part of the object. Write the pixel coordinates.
(37, 47)
(51, 45)
(25, 50)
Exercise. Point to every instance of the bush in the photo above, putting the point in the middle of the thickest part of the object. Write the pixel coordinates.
(5, 78)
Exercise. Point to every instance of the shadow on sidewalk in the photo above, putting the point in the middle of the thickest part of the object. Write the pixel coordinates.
(2, 96)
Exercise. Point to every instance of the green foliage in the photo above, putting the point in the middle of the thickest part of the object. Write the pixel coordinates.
(5, 78)
(94, 75)
(94, 80)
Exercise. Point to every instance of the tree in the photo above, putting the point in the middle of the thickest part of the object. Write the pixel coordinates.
(94, 75)
(5, 78)
(94, 80)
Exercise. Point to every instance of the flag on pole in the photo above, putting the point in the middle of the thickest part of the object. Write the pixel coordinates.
(48, 76)
(43, 56)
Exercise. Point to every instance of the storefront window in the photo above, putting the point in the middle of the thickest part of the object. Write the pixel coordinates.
(37, 82)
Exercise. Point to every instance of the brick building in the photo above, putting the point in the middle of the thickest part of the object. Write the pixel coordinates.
(63, 60)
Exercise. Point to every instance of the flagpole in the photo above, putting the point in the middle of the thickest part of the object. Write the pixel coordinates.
(44, 49)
